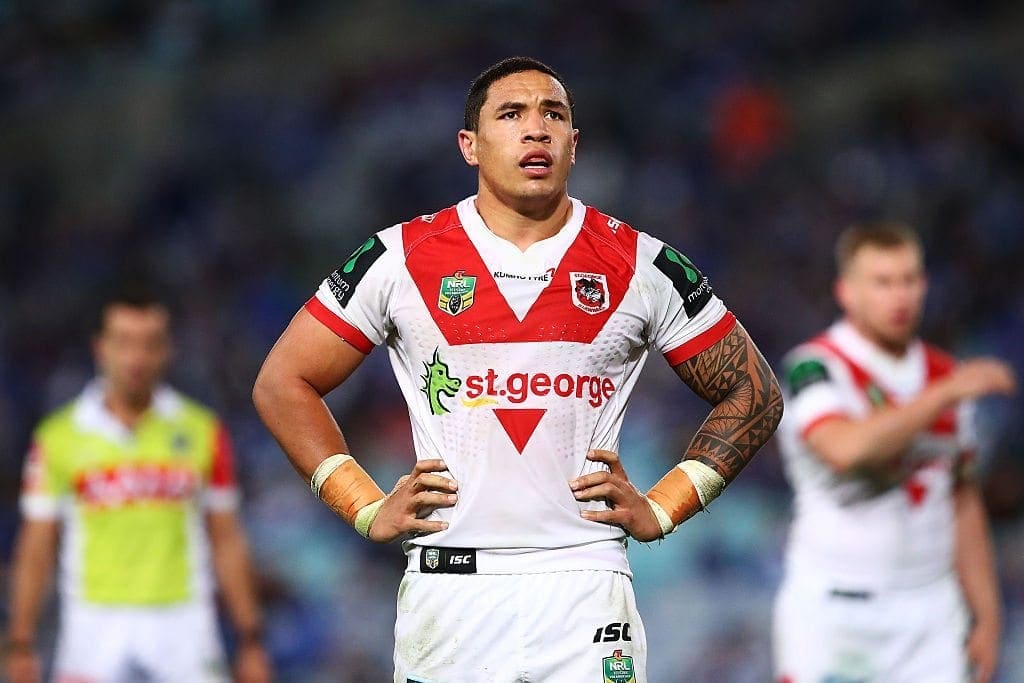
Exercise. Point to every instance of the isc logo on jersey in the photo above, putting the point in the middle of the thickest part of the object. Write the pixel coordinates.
(490, 388)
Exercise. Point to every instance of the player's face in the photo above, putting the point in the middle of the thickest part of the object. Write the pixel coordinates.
(132, 350)
(882, 293)
(525, 144)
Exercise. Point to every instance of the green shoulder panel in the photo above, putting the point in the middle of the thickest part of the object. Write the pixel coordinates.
(804, 373)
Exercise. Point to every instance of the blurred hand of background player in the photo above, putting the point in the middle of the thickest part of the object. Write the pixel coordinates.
(629, 508)
(23, 666)
(981, 376)
(983, 652)
(252, 665)
(414, 497)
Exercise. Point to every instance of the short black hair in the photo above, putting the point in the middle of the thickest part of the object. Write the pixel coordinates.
(133, 293)
(477, 94)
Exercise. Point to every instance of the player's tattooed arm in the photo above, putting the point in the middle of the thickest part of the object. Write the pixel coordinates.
(733, 377)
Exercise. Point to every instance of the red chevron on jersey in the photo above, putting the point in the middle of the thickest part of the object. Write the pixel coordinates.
(519, 423)
(441, 249)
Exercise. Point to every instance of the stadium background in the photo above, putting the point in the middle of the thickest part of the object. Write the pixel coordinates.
(237, 150)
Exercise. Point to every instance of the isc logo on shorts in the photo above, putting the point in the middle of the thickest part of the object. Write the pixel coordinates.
(448, 561)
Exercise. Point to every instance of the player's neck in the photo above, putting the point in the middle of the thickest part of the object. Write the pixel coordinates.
(896, 349)
(128, 410)
(523, 225)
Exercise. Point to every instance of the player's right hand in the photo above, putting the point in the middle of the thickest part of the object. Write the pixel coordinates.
(980, 377)
(23, 667)
(414, 497)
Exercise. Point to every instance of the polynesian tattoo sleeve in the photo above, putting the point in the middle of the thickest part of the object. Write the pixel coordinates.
(735, 378)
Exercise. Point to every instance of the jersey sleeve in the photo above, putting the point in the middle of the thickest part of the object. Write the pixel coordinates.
(686, 316)
(353, 300)
(43, 483)
(221, 492)
(812, 382)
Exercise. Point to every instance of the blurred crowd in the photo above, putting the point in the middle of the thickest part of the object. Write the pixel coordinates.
(235, 152)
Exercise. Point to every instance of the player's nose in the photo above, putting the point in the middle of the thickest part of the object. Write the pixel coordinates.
(535, 128)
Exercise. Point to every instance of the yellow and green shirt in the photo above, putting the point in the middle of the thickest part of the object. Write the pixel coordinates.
(130, 500)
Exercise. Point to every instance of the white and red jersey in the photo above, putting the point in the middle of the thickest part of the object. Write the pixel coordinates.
(893, 529)
(515, 363)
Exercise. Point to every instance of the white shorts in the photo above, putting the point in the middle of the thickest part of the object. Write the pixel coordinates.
(842, 634)
(564, 627)
(98, 644)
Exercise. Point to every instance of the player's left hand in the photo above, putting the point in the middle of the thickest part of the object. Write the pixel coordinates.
(252, 665)
(983, 652)
(629, 508)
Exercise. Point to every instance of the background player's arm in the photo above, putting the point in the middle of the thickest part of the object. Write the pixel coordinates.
(307, 362)
(230, 552)
(31, 574)
(975, 566)
(846, 444)
(734, 377)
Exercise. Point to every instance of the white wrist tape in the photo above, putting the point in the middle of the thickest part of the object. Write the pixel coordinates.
(664, 521)
(709, 483)
(326, 469)
(365, 517)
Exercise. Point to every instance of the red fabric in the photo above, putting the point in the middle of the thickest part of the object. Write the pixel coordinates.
(437, 246)
(341, 328)
(222, 470)
(702, 342)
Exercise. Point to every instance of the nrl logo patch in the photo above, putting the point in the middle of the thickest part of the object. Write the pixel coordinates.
(432, 557)
(618, 668)
(589, 292)
(456, 293)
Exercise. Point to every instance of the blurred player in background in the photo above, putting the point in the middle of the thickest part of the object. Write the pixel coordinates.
(134, 484)
(517, 322)
(890, 567)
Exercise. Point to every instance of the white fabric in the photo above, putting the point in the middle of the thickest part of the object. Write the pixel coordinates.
(511, 500)
(531, 628)
(898, 636)
(855, 531)
(121, 645)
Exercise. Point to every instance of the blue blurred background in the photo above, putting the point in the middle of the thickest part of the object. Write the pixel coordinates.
(238, 150)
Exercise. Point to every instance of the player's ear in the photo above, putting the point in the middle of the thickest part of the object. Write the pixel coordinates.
(467, 145)
(575, 140)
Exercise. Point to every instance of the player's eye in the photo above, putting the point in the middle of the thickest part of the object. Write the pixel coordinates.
(554, 115)
(508, 115)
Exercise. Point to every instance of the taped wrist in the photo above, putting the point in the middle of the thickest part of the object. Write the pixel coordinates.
(345, 487)
(690, 486)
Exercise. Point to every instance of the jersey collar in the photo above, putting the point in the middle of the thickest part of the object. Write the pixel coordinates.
(91, 412)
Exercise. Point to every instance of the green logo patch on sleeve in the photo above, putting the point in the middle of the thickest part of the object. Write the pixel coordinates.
(805, 373)
(343, 281)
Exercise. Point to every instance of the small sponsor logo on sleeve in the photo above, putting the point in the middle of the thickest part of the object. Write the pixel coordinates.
(692, 285)
(806, 373)
(343, 281)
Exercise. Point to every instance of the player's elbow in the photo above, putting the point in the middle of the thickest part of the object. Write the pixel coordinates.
(841, 457)
(265, 390)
